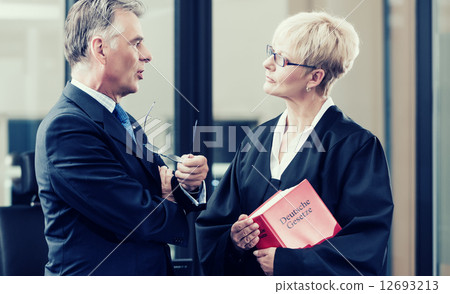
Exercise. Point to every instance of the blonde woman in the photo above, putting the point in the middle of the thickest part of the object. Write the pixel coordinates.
(312, 139)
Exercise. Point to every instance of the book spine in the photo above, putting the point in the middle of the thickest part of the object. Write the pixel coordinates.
(267, 237)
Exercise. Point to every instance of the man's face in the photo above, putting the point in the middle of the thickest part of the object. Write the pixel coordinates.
(125, 61)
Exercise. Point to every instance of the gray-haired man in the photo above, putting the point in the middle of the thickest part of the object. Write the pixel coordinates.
(109, 212)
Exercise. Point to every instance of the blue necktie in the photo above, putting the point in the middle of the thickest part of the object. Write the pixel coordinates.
(122, 116)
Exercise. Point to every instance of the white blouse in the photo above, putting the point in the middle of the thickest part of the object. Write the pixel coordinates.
(276, 167)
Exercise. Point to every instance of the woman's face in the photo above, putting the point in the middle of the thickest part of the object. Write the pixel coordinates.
(288, 81)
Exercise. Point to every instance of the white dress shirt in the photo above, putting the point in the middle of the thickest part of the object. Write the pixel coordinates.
(104, 100)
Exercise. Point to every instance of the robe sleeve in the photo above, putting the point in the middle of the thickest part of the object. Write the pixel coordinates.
(364, 210)
(216, 253)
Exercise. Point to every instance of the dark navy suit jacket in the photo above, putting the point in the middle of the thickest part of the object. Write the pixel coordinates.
(101, 196)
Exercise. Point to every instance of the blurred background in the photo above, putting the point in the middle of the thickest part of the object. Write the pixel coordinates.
(210, 52)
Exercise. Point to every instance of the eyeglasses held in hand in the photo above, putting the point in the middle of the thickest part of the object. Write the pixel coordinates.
(282, 61)
(154, 149)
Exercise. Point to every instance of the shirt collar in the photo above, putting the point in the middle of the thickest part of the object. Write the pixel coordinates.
(101, 98)
(328, 103)
(281, 125)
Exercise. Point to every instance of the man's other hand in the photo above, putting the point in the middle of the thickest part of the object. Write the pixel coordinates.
(166, 175)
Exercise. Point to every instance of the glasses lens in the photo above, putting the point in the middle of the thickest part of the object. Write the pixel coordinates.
(269, 50)
(280, 60)
(276, 57)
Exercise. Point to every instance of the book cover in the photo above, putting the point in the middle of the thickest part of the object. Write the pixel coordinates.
(294, 218)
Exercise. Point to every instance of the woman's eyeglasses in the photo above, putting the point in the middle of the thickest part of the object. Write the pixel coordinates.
(282, 61)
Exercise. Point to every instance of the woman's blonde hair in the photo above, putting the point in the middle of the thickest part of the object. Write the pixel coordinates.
(321, 40)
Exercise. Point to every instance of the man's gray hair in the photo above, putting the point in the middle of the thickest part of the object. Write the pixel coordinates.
(87, 18)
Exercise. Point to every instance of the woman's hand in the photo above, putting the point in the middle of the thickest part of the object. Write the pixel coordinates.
(166, 187)
(244, 233)
(266, 258)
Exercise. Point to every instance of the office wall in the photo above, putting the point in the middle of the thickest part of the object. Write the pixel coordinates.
(241, 31)
(3, 153)
(441, 140)
(31, 57)
(403, 151)
(31, 69)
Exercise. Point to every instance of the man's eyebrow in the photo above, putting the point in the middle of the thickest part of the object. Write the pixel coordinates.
(138, 38)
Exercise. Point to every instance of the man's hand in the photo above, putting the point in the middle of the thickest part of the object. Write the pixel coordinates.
(192, 171)
(166, 188)
(244, 233)
(266, 259)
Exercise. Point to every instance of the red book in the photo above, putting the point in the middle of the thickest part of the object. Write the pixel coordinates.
(294, 218)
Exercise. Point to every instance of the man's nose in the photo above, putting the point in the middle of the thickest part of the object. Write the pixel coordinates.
(145, 54)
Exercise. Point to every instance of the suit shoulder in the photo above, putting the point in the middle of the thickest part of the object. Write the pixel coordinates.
(65, 105)
(65, 116)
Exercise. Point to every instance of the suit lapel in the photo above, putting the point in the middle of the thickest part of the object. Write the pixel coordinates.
(113, 127)
(149, 159)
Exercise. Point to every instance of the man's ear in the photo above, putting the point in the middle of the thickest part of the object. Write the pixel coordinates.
(317, 76)
(98, 49)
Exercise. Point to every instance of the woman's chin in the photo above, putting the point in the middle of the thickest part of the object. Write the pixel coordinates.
(269, 89)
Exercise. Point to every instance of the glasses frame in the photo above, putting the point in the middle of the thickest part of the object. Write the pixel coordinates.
(276, 56)
(154, 149)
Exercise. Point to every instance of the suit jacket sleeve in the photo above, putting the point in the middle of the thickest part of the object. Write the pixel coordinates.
(364, 211)
(182, 199)
(89, 177)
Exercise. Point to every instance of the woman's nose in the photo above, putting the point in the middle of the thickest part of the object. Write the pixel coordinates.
(269, 63)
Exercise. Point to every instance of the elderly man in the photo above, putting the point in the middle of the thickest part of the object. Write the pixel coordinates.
(110, 205)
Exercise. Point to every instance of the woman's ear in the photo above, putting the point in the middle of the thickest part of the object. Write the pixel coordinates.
(98, 49)
(317, 76)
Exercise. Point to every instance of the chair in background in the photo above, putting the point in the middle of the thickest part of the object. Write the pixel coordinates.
(23, 249)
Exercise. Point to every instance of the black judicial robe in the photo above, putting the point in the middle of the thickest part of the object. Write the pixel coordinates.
(347, 167)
